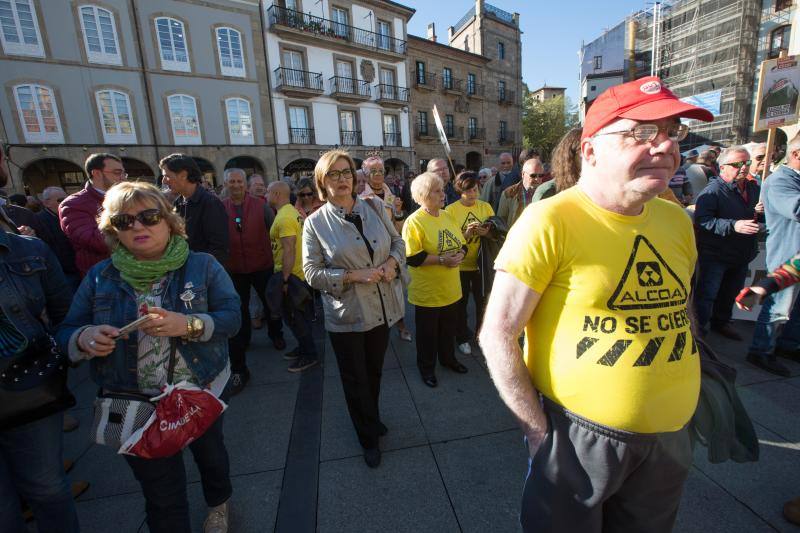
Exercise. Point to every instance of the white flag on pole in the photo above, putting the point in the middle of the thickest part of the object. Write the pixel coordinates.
(440, 129)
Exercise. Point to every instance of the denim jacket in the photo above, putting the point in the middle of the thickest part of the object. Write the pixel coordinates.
(31, 281)
(105, 298)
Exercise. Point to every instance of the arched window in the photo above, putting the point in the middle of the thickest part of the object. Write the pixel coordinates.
(240, 121)
(231, 55)
(184, 120)
(116, 118)
(100, 35)
(779, 40)
(172, 44)
(19, 29)
(38, 114)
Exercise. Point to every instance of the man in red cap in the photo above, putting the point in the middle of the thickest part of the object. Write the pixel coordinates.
(599, 276)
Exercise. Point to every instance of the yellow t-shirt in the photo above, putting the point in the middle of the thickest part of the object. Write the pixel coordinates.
(464, 216)
(432, 285)
(287, 223)
(609, 339)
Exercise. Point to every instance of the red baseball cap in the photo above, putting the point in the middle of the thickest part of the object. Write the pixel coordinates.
(643, 99)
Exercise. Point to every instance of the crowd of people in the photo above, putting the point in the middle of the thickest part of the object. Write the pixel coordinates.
(575, 252)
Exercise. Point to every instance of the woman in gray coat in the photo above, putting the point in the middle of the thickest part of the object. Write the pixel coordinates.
(353, 255)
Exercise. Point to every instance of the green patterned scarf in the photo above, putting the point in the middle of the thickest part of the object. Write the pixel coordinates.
(142, 274)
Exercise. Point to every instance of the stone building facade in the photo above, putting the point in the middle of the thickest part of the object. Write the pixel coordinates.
(140, 79)
(338, 78)
(494, 34)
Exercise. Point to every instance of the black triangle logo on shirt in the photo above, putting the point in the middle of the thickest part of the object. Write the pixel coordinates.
(448, 242)
(470, 219)
(648, 281)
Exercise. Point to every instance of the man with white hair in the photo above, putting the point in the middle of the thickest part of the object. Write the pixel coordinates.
(249, 264)
(758, 151)
(774, 335)
(599, 276)
(727, 240)
(54, 236)
(494, 186)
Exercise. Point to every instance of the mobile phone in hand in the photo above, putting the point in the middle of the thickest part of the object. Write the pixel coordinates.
(124, 330)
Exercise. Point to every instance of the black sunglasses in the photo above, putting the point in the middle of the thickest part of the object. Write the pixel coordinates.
(124, 222)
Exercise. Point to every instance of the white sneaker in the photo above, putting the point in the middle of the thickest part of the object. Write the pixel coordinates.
(465, 348)
(217, 520)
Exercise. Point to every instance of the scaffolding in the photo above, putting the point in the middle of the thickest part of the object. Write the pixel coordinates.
(699, 46)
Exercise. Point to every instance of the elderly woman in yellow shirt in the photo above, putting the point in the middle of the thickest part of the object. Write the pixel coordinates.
(434, 249)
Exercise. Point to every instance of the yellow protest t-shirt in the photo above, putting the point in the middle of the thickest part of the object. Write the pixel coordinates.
(609, 339)
(464, 216)
(287, 223)
(432, 285)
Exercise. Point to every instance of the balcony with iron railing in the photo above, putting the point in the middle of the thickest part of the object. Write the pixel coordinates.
(424, 80)
(477, 134)
(454, 132)
(350, 138)
(392, 138)
(423, 130)
(301, 135)
(290, 21)
(349, 89)
(505, 137)
(506, 97)
(452, 85)
(391, 95)
(474, 90)
(298, 82)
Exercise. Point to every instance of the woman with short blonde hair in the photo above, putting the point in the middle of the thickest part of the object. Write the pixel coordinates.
(353, 255)
(191, 308)
(435, 248)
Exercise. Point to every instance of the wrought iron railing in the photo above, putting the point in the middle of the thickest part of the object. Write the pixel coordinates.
(506, 97)
(454, 132)
(301, 135)
(350, 138)
(301, 79)
(505, 137)
(392, 92)
(425, 79)
(474, 89)
(352, 86)
(422, 129)
(477, 133)
(391, 138)
(452, 84)
(305, 22)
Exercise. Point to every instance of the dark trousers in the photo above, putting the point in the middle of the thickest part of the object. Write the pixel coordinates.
(436, 334)
(300, 322)
(237, 345)
(31, 467)
(360, 358)
(470, 284)
(716, 287)
(589, 477)
(163, 481)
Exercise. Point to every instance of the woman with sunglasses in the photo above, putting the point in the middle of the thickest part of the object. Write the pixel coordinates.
(353, 254)
(307, 201)
(149, 257)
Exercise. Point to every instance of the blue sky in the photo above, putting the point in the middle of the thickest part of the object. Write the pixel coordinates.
(552, 31)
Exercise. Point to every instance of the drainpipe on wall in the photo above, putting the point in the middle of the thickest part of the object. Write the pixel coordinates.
(278, 173)
(146, 80)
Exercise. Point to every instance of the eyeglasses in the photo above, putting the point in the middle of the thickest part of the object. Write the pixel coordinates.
(124, 222)
(535, 175)
(377, 172)
(305, 194)
(337, 175)
(645, 133)
(738, 164)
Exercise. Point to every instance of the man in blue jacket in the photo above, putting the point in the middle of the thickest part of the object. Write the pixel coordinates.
(777, 331)
(727, 240)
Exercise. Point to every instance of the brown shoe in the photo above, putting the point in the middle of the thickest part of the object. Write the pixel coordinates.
(791, 511)
(727, 330)
(68, 464)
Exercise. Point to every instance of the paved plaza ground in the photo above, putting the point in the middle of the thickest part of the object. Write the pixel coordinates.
(453, 459)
